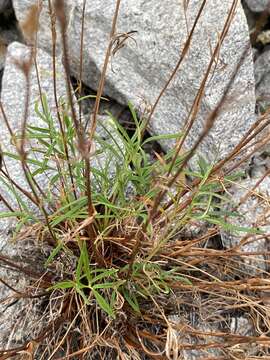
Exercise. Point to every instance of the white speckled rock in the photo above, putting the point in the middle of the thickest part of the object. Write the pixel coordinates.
(8, 30)
(140, 71)
(182, 337)
(258, 5)
(253, 213)
(262, 78)
(242, 326)
(12, 98)
(20, 320)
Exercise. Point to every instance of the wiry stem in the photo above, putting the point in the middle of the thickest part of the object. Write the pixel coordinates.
(53, 32)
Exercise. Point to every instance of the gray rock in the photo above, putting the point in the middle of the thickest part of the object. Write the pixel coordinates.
(251, 18)
(13, 100)
(242, 326)
(253, 213)
(14, 328)
(20, 319)
(192, 339)
(23, 12)
(8, 29)
(258, 5)
(262, 79)
(13, 97)
(7, 36)
(140, 70)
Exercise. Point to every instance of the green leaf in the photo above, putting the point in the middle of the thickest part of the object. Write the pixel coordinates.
(38, 129)
(63, 285)
(54, 253)
(104, 274)
(232, 227)
(109, 285)
(162, 137)
(71, 214)
(132, 300)
(86, 262)
(103, 304)
(79, 266)
(9, 214)
(91, 97)
(82, 294)
(203, 165)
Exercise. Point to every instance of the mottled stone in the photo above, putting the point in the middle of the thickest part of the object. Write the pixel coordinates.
(253, 214)
(182, 337)
(263, 38)
(13, 100)
(20, 320)
(262, 78)
(24, 11)
(258, 5)
(7, 36)
(139, 70)
(13, 96)
(242, 326)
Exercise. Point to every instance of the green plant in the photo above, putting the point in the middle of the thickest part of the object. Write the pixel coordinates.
(121, 257)
(118, 219)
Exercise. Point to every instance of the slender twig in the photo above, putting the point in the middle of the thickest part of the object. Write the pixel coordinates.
(53, 34)
(198, 99)
(81, 59)
(209, 124)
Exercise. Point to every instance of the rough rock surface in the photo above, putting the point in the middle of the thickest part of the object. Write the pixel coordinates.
(8, 31)
(140, 70)
(13, 98)
(23, 14)
(19, 320)
(26, 253)
(262, 78)
(242, 326)
(14, 93)
(254, 213)
(7, 36)
(258, 5)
